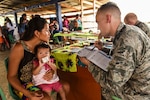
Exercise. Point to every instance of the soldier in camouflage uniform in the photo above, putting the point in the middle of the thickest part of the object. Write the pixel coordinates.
(132, 19)
(128, 75)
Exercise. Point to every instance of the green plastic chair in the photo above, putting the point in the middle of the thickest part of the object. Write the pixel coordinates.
(11, 38)
(2, 94)
(115, 98)
(11, 90)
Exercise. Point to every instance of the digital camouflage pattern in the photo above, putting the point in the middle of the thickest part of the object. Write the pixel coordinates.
(144, 27)
(128, 75)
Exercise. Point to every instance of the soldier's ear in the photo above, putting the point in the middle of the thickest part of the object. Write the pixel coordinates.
(108, 18)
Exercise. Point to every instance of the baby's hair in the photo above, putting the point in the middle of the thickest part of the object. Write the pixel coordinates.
(42, 45)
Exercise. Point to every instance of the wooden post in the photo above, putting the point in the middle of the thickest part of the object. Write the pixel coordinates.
(82, 13)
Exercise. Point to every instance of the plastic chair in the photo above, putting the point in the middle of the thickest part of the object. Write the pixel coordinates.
(11, 90)
(115, 98)
(2, 94)
(11, 38)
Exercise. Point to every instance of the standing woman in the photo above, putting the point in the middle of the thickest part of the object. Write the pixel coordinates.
(22, 25)
(10, 28)
(21, 55)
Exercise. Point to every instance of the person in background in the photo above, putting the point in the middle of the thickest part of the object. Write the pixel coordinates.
(71, 25)
(37, 15)
(54, 29)
(1, 40)
(131, 19)
(76, 26)
(78, 19)
(10, 28)
(20, 61)
(7, 43)
(41, 65)
(65, 22)
(55, 26)
(25, 20)
(32, 16)
(128, 75)
(22, 25)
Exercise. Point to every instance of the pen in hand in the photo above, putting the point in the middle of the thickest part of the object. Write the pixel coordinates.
(99, 45)
(93, 48)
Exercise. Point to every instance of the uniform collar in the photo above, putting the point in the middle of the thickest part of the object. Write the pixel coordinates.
(119, 31)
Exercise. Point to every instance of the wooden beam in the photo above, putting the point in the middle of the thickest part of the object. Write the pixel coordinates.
(77, 1)
(94, 8)
(69, 6)
(82, 9)
(90, 3)
(101, 2)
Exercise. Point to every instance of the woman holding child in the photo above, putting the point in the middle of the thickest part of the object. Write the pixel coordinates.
(20, 61)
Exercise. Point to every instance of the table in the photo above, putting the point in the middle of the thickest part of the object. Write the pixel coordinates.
(77, 76)
(75, 34)
(66, 57)
(82, 84)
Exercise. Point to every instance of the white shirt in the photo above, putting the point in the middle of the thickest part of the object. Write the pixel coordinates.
(38, 79)
(9, 27)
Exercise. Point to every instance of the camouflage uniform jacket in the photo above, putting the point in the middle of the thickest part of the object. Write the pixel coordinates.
(144, 27)
(128, 75)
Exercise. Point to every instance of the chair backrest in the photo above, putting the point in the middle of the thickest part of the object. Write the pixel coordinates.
(115, 98)
(11, 90)
(2, 96)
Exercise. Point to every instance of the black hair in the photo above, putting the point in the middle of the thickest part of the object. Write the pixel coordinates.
(37, 23)
(37, 15)
(21, 20)
(41, 45)
(24, 14)
(77, 15)
(9, 21)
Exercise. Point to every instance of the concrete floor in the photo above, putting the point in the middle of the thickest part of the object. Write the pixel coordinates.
(3, 78)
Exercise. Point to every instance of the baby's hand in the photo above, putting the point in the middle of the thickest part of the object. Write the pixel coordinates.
(52, 65)
(41, 63)
(48, 75)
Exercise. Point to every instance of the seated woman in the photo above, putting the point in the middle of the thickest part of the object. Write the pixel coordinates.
(76, 26)
(20, 61)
